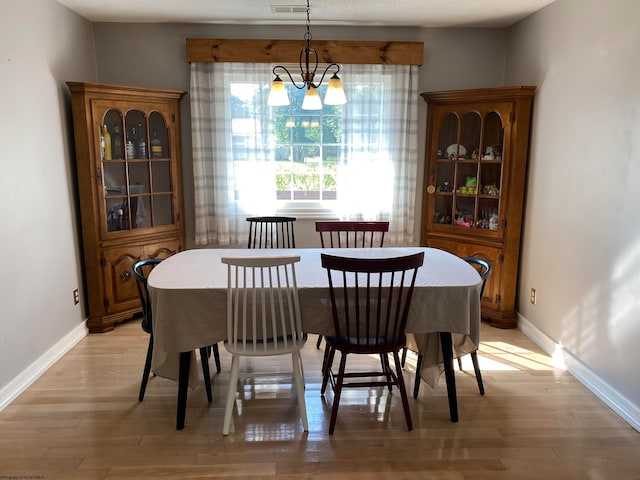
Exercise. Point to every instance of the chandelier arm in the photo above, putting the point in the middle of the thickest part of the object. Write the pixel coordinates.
(284, 69)
(326, 70)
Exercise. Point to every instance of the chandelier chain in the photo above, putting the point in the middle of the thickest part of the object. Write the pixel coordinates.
(307, 35)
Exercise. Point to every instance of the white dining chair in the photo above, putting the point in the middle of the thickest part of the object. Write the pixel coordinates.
(263, 319)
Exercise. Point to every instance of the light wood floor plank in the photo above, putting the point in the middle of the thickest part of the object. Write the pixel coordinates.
(82, 420)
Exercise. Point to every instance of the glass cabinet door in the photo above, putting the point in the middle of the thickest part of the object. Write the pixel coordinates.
(466, 171)
(445, 169)
(162, 192)
(136, 169)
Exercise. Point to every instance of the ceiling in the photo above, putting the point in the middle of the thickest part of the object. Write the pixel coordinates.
(418, 13)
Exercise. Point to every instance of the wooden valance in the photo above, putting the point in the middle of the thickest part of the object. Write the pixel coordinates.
(288, 51)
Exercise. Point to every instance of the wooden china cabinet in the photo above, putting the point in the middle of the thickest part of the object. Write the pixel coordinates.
(475, 175)
(129, 180)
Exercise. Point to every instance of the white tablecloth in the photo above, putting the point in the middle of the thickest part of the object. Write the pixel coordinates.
(189, 302)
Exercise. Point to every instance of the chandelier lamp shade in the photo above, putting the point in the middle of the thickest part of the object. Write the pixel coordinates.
(308, 62)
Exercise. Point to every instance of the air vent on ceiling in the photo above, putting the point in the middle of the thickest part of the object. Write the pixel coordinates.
(288, 9)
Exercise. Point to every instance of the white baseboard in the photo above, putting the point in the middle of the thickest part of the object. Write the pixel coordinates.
(621, 405)
(29, 375)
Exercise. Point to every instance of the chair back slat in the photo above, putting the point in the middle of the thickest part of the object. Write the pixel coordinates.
(348, 234)
(271, 232)
(370, 299)
(263, 307)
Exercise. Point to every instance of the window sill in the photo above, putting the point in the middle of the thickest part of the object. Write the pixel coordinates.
(309, 210)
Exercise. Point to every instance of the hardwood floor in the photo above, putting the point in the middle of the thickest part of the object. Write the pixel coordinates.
(82, 420)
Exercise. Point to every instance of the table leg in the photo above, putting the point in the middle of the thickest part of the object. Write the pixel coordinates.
(447, 358)
(183, 387)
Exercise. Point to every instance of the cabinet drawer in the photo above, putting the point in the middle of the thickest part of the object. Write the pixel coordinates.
(491, 298)
(120, 286)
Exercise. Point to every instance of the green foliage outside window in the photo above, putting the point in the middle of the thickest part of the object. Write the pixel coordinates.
(306, 178)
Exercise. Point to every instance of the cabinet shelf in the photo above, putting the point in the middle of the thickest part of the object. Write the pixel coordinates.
(485, 220)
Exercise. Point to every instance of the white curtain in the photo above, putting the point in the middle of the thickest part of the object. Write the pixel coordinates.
(378, 172)
(377, 176)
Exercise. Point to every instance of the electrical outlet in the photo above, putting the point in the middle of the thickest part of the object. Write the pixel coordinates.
(533, 296)
(76, 297)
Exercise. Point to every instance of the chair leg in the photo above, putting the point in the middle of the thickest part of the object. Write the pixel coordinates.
(386, 369)
(302, 371)
(204, 359)
(325, 359)
(231, 394)
(460, 364)
(403, 391)
(337, 391)
(298, 377)
(319, 341)
(476, 367)
(216, 357)
(416, 385)
(404, 356)
(147, 369)
(329, 353)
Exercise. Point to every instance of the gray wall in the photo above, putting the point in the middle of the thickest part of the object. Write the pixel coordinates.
(581, 248)
(39, 237)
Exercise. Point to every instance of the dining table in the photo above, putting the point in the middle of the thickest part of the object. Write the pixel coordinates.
(189, 298)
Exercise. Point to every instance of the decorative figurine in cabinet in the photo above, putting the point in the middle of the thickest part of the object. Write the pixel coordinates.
(475, 176)
(129, 182)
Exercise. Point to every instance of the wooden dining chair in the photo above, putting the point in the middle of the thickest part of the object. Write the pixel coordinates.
(271, 232)
(350, 234)
(484, 270)
(263, 319)
(370, 301)
(140, 271)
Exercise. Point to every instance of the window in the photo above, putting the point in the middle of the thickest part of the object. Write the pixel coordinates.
(306, 146)
(354, 161)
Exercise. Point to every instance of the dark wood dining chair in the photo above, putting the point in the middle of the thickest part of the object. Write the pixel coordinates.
(350, 234)
(484, 270)
(271, 232)
(370, 301)
(140, 271)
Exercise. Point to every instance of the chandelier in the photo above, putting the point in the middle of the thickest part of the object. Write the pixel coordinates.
(308, 66)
